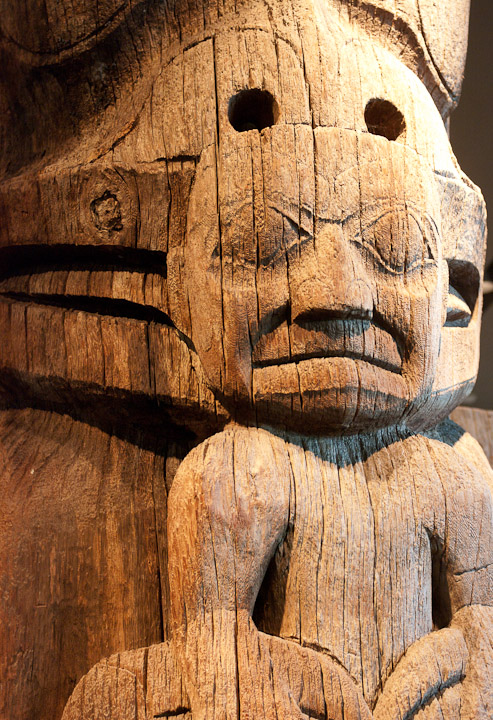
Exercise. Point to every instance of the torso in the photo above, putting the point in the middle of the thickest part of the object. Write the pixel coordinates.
(365, 524)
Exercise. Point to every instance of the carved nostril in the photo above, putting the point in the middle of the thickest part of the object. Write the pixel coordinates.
(383, 118)
(252, 109)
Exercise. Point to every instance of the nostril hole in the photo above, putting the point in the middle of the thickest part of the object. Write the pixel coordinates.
(383, 118)
(252, 109)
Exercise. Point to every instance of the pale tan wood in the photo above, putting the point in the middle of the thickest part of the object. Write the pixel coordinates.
(240, 294)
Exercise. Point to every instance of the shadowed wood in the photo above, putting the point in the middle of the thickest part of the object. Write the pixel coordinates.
(479, 424)
(240, 294)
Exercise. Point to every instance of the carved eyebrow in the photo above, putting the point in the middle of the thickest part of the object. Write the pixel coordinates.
(383, 207)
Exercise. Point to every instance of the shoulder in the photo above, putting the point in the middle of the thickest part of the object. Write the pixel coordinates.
(460, 452)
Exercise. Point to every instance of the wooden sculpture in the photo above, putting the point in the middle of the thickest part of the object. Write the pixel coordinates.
(240, 296)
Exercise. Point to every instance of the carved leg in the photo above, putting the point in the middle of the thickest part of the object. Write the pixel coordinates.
(302, 682)
(426, 683)
(476, 623)
(134, 685)
(281, 678)
(114, 688)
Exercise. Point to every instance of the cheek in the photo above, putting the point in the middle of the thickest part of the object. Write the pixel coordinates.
(414, 307)
(212, 278)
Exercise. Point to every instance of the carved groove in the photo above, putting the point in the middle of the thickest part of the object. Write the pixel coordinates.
(97, 305)
(26, 259)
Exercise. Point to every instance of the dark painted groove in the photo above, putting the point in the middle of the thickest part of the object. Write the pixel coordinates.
(97, 305)
(173, 713)
(30, 259)
(324, 354)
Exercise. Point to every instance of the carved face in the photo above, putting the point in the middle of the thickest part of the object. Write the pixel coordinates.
(328, 306)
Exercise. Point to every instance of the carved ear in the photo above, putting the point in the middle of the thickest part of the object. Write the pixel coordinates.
(107, 691)
(62, 30)
(463, 229)
(464, 238)
(445, 291)
(463, 292)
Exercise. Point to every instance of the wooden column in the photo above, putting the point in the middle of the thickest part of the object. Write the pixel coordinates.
(240, 294)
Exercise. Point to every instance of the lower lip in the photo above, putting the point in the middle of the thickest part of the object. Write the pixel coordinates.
(329, 382)
(303, 361)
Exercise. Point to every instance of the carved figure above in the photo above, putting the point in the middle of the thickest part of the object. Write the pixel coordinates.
(241, 295)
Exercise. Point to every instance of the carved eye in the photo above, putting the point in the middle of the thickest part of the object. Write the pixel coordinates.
(252, 109)
(398, 241)
(383, 118)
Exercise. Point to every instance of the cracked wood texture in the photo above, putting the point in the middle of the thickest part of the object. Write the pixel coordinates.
(240, 295)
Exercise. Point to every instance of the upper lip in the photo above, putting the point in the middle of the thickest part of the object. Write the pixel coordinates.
(352, 337)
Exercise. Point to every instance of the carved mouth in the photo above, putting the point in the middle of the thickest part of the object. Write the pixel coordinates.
(352, 338)
(107, 280)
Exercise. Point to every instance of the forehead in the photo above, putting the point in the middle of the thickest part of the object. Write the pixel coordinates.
(430, 36)
(321, 70)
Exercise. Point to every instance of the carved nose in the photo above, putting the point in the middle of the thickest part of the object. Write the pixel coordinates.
(329, 280)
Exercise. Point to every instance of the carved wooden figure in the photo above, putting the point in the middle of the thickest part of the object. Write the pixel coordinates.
(240, 296)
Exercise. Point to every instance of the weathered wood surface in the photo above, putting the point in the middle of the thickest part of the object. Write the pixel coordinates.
(240, 294)
(84, 554)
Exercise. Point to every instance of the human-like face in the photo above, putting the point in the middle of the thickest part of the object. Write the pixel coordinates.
(312, 271)
(327, 309)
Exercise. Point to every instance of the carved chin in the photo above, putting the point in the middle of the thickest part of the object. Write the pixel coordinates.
(325, 395)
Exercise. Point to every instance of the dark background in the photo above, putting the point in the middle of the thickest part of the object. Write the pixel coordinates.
(471, 132)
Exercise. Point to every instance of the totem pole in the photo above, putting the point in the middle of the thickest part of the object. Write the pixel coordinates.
(240, 296)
